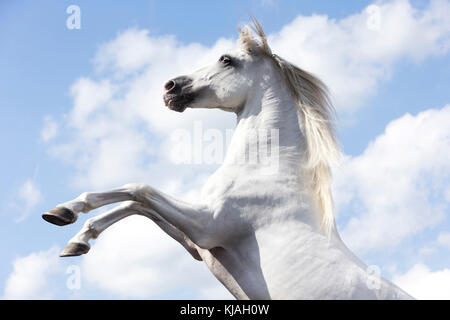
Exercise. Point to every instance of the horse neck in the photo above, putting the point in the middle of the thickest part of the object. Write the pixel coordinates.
(272, 111)
(272, 107)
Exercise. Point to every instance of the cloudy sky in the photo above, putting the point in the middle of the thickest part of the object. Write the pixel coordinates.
(81, 110)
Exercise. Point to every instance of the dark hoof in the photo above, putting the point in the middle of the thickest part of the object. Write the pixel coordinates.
(60, 216)
(74, 249)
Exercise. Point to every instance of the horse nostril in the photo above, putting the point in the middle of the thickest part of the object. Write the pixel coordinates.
(169, 86)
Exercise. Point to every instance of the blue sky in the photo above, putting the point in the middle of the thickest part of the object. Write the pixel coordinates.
(42, 62)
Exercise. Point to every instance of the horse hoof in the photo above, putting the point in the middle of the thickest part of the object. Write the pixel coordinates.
(60, 216)
(74, 249)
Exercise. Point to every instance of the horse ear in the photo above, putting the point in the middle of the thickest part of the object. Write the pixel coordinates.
(249, 43)
(262, 36)
(246, 40)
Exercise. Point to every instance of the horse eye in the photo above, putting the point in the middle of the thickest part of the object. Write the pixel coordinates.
(226, 60)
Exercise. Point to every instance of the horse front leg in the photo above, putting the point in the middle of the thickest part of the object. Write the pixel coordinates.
(195, 221)
(67, 212)
(92, 228)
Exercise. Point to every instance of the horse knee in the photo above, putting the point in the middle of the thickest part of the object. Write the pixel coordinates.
(91, 228)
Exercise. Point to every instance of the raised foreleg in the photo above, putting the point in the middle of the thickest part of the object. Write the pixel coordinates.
(92, 228)
(195, 221)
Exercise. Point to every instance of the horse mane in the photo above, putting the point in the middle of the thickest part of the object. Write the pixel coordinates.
(317, 112)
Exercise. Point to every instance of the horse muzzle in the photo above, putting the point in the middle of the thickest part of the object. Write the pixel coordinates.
(177, 94)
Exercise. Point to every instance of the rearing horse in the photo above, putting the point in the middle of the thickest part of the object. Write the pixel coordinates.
(264, 233)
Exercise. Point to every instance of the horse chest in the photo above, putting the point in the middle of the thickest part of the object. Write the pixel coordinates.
(245, 201)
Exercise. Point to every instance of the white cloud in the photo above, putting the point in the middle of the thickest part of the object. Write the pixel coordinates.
(119, 128)
(50, 129)
(424, 284)
(395, 188)
(427, 250)
(28, 196)
(352, 57)
(89, 96)
(444, 239)
(30, 275)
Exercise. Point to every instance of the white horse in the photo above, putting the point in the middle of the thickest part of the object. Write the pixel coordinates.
(264, 233)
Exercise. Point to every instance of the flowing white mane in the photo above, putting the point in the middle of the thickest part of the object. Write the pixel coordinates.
(317, 114)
